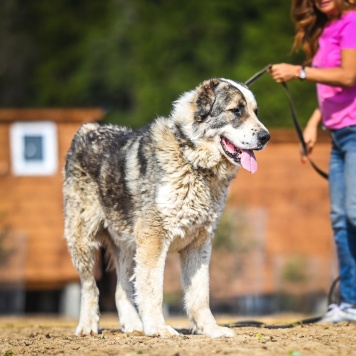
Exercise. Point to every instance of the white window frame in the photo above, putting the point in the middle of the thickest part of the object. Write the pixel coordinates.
(49, 164)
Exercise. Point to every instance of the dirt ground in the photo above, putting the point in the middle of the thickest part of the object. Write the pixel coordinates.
(54, 336)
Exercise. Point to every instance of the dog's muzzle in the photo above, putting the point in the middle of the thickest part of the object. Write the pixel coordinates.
(245, 157)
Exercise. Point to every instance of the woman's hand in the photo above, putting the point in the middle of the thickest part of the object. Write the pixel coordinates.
(284, 72)
(310, 134)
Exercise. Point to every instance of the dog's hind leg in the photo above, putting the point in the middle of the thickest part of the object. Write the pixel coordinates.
(83, 255)
(82, 222)
(124, 296)
(195, 278)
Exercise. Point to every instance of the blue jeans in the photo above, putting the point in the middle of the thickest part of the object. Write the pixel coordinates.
(342, 186)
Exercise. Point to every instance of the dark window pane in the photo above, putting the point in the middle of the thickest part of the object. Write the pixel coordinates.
(33, 148)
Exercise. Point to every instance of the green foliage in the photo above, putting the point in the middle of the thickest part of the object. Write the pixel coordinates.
(8, 353)
(294, 353)
(174, 298)
(259, 336)
(134, 58)
(234, 233)
(5, 251)
(295, 270)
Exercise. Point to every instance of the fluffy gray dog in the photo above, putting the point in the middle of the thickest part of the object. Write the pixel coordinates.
(144, 193)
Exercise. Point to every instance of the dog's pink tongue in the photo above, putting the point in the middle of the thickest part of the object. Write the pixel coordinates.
(248, 160)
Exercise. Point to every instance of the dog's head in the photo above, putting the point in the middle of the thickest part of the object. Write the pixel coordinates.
(225, 114)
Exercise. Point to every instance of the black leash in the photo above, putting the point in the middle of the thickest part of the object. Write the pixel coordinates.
(257, 76)
(292, 110)
(259, 324)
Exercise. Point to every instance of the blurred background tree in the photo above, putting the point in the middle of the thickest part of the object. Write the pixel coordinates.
(133, 58)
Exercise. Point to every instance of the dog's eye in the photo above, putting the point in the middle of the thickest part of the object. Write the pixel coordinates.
(237, 111)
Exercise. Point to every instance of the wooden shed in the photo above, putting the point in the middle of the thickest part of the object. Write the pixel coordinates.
(33, 145)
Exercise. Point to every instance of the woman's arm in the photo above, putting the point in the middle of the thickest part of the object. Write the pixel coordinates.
(344, 76)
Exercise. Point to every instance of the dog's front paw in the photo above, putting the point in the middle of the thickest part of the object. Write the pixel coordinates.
(131, 327)
(160, 330)
(215, 331)
(86, 329)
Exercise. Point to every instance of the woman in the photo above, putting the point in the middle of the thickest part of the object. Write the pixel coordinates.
(326, 31)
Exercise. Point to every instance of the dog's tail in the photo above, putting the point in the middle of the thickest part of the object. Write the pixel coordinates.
(79, 142)
(90, 126)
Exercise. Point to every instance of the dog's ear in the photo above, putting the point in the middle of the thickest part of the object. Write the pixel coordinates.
(205, 99)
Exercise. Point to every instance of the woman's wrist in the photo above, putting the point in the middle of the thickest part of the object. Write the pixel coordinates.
(301, 73)
(297, 71)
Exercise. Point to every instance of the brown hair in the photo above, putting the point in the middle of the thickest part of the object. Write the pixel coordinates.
(310, 22)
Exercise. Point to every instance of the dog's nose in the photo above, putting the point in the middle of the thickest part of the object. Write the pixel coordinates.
(263, 136)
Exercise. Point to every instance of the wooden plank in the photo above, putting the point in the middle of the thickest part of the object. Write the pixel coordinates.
(79, 115)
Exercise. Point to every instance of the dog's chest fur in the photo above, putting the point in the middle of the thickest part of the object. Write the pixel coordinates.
(190, 196)
(189, 205)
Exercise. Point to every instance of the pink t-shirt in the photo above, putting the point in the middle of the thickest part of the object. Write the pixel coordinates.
(337, 104)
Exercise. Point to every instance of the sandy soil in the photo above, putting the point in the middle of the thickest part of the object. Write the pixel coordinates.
(54, 336)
